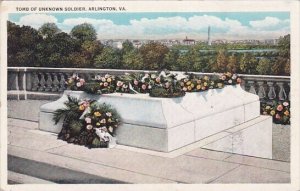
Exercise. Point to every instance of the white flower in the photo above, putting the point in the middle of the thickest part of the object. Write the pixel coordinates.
(234, 76)
(88, 120)
(230, 81)
(110, 129)
(103, 135)
(149, 86)
(89, 127)
(78, 84)
(103, 79)
(97, 77)
(125, 86)
(285, 103)
(103, 121)
(108, 114)
(106, 76)
(153, 76)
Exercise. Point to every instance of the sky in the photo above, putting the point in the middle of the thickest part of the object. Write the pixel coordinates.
(169, 25)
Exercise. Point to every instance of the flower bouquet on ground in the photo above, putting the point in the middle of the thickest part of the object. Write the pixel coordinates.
(75, 83)
(87, 123)
(279, 110)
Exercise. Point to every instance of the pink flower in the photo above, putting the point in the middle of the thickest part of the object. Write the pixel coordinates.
(136, 82)
(239, 80)
(157, 79)
(223, 77)
(277, 116)
(279, 107)
(167, 85)
(144, 86)
(88, 120)
(105, 84)
(82, 81)
(119, 83)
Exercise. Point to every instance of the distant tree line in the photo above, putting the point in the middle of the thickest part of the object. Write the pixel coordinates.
(50, 47)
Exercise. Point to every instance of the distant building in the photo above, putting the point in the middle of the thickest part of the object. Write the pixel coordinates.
(187, 41)
(271, 41)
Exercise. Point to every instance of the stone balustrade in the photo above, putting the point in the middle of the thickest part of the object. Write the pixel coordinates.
(24, 80)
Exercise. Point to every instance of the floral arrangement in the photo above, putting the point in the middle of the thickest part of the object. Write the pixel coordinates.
(75, 82)
(86, 122)
(160, 84)
(279, 110)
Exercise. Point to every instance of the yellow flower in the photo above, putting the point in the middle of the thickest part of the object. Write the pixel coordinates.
(108, 80)
(188, 83)
(189, 88)
(198, 81)
(220, 85)
(97, 114)
(228, 74)
(198, 87)
(70, 81)
(206, 78)
(192, 85)
(98, 124)
(287, 113)
(268, 107)
(205, 83)
(272, 112)
(81, 107)
(109, 120)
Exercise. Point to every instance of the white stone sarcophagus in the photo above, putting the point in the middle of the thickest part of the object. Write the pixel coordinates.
(166, 124)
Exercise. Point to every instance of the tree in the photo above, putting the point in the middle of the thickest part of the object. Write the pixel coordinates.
(55, 50)
(221, 61)
(264, 66)
(170, 60)
(282, 64)
(248, 63)
(109, 58)
(153, 55)
(127, 46)
(21, 45)
(48, 30)
(232, 65)
(132, 60)
(84, 32)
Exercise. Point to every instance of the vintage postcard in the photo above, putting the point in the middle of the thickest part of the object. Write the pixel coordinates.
(153, 95)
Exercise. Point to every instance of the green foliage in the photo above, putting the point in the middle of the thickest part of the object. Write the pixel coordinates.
(248, 63)
(84, 32)
(264, 66)
(232, 65)
(49, 47)
(48, 30)
(153, 55)
(76, 126)
(132, 60)
(70, 111)
(109, 58)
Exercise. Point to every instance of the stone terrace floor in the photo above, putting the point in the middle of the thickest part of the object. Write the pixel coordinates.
(38, 157)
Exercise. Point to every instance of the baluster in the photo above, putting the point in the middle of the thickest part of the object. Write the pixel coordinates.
(243, 84)
(69, 75)
(281, 94)
(55, 82)
(48, 82)
(62, 82)
(42, 82)
(252, 88)
(261, 90)
(35, 82)
(271, 93)
(289, 92)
